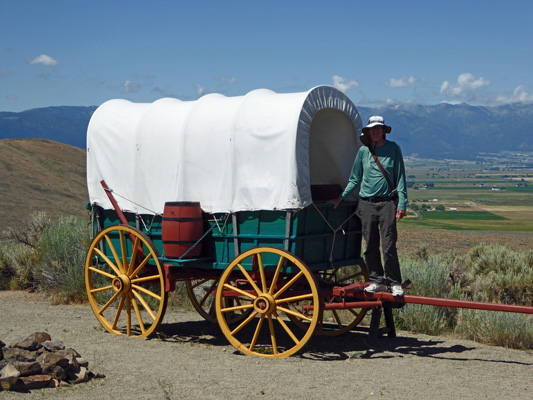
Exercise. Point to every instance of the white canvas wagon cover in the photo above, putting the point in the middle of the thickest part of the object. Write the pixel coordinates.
(261, 151)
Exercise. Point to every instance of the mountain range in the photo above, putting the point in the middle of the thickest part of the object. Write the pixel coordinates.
(454, 131)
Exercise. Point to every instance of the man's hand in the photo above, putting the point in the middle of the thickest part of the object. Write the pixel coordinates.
(400, 214)
(336, 201)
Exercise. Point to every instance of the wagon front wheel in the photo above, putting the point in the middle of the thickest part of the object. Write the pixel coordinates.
(125, 282)
(270, 284)
(200, 292)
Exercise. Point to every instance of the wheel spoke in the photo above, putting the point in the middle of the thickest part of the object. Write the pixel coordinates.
(144, 304)
(114, 251)
(102, 289)
(249, 278)
(124, 255)
(262, 272)
(148, 292)
(199, 282)
(337, 318)
(108, 262)
(288, 284)
(141, 265)
(295, 313)
(257, 332)
(138, 314)
(238, 308)
(208, 293)
(133, 256)
(206, 296)
(331, 275)
(99, 271)
(276, 275)
(295, 299)
(287, 329)
(243, 292)
(353, 311)
(111, 301)
(244, 323)
(119, 311)
(272, 335)
(128, 310)
(146, 279)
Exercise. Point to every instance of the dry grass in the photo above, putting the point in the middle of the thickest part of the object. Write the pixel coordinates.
(438, 241)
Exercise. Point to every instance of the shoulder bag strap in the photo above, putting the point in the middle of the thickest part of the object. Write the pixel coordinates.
(391, 186)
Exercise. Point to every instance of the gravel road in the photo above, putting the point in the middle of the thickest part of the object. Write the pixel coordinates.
(192, 360)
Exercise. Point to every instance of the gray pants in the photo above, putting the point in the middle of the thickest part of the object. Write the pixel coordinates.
(379, 219)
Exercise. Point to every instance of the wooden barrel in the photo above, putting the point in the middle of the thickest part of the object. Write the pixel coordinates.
(182, 227)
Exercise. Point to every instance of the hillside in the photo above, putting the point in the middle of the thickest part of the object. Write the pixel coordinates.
(40, 175)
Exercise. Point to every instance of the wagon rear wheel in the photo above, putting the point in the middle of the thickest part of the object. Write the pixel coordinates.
(125, 282)
(270, 284)
(337, 322)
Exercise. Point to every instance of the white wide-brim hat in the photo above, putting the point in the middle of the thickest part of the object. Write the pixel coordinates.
(376, 120)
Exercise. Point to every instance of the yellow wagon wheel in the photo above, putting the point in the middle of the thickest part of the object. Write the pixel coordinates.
(337, 322)
(271, 284)
(125, 282)
(200, 292)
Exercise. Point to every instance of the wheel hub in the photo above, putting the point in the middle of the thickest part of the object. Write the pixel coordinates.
(121, 283)
(265, 304)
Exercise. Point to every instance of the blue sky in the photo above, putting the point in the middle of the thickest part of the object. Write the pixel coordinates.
(84, 53)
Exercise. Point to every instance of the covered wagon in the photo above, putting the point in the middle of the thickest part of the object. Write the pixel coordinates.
(230, 195)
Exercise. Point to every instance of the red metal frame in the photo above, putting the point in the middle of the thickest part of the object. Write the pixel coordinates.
(375, 300)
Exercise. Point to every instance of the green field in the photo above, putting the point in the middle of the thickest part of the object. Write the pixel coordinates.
(472, 195)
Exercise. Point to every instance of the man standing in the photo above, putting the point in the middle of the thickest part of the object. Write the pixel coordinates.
(379, 171)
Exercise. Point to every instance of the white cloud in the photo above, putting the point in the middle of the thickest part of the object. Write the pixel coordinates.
(44, 60)
(402, 82)
(342, 84)
(200, 90)
(520, 95)
(467, 87)
(131, 86)
(4, 73)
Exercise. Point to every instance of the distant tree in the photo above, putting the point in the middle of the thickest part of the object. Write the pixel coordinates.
(440, 207)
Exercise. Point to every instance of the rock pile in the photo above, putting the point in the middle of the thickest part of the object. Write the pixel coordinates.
(37, 362)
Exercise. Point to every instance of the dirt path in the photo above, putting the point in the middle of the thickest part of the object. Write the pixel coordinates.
(192, 360)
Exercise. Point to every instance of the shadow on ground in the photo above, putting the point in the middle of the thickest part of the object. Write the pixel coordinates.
(352, 345)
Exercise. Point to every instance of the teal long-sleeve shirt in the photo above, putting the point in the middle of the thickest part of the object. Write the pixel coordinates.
(366, 173)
